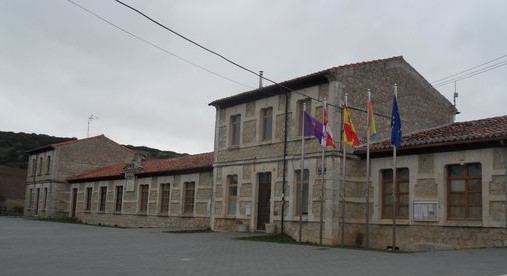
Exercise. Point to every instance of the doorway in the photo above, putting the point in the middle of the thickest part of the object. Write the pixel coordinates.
(264, 200)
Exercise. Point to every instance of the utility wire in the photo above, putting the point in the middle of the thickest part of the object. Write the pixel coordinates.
(156, 46)
(459, 73)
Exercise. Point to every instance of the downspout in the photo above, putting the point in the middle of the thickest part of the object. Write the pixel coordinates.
(285, 135)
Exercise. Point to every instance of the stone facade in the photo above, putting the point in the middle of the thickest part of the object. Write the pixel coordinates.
(131, 214)
(47, 192)
(280, 156)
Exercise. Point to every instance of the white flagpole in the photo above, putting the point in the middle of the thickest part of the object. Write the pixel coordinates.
(323, 144)
(394, 180)
(368, 173)
(302, 171)
(343, 180)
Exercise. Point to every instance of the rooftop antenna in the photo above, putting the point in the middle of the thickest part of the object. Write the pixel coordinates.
(455, 97)
(90, 119)
(260, 78)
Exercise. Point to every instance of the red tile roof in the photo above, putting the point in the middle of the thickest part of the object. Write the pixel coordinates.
(477, 133)
(296, 83)
(189, 163)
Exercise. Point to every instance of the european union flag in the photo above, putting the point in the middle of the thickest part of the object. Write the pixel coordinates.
(395, 125)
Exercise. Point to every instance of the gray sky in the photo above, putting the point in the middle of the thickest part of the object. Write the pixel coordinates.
(60, 64)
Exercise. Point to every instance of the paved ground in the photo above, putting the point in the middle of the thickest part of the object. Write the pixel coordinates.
(29, 247)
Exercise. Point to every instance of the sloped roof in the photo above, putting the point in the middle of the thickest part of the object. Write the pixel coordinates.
(461, 135)
(189, 163)
(75, 141)
(316, 78)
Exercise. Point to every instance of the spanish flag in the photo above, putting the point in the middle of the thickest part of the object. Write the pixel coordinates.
(349, 132)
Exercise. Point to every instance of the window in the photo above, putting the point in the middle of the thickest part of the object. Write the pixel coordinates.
(48, 167)
(44, 204)
(143, 198)
(103, 195)
(189, 197)
(34, 166)
(464, 192)
(37, 195)
(232, 197)
(267, 124)
(40, 165)
(235, 126)
(88, 205)
(401, 193)
(30, 201)
(119, 199)
(308, 104)
(165, 193)
(302, 192)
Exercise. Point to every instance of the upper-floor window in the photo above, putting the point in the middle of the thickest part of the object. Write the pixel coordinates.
(267, 124)
(464, 191)
(188, 207)
(232, 196)
(235, 126)
(48, 165)
(307, 105)
(34, 166)
(40, 165)
(401, 193)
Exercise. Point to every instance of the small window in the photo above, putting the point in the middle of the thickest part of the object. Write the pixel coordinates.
(88, 205)
(302, 192)
(165, 193)
(41, 160)
(232, 197)
(143, 198)
(267, 124)
(44, 205)
(119, 199)
(34, 166)
(464, 192)
(401, 193)
(235, 126)
(189, 197)
(48, 165)
(102, 201)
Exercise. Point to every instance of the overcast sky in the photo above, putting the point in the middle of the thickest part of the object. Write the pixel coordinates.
(60, 64)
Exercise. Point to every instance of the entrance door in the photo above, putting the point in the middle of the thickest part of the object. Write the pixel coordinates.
(264, 201)
(74, 202)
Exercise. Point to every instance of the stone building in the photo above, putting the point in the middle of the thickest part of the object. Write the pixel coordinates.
(450, 189)
(172, 193)
(258, 144)
(47, 192)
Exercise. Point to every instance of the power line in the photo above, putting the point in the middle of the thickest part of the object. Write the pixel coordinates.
(156, 46)
(487, 62)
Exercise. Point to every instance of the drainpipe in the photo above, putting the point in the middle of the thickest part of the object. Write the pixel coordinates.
(285, 134)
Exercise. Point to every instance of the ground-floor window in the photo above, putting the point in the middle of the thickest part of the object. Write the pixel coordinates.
(88, 205)
(464, 191)
(102, 199)
(232, 195)
(165, 193)
(302, 191)
(189, 197)
(401, 193)
(119, 199)
(143, 198)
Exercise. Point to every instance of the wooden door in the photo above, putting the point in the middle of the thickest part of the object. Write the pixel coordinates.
(264, 200)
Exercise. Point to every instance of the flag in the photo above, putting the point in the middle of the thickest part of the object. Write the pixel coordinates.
(328, 137)
(313, 127)
(372, 127)
(395, 125)
(349, 132)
